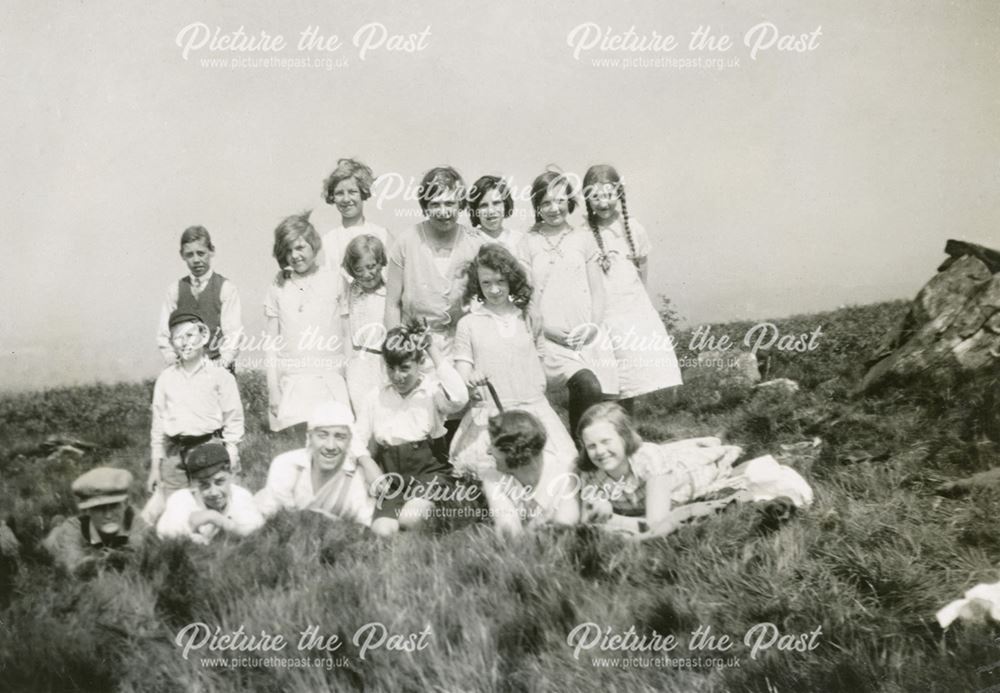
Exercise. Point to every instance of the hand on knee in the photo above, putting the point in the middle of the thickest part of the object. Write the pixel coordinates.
(415, 513)
(385, 527)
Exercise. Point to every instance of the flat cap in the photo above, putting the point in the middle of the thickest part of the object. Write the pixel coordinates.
(101, 486)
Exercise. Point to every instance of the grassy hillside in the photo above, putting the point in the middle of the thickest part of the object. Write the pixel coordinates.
(869, 563)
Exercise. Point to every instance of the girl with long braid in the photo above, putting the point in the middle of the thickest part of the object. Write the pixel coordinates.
(643, 350)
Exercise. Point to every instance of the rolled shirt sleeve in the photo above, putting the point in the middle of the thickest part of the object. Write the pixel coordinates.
(452, 395)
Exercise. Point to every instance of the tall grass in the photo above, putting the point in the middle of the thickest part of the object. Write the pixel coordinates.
(869, 563)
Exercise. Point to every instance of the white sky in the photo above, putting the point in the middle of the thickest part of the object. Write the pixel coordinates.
(792, 183)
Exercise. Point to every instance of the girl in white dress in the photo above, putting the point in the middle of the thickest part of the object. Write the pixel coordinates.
(569, 296)
(305, 363)
(497, 342)
(362, 310)
(643, 350)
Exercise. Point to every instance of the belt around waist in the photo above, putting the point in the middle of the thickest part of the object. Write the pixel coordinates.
(186, 442)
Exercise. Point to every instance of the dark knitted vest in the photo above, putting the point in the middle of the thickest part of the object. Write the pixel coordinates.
(208, 304)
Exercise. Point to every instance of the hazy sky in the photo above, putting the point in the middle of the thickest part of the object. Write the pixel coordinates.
(794, 182)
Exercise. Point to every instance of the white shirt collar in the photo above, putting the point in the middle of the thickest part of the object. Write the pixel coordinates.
(357, 291)
(427, 385)
(477, 307)
(202, 281)
(202, 365)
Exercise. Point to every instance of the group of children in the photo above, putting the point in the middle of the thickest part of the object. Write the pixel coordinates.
(409, 365)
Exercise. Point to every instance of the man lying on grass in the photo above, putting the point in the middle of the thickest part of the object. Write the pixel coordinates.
(211, 503)
(321, 476)
(521, 491)
(106, 529)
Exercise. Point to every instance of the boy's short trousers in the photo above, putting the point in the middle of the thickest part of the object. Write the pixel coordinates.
(423, 470)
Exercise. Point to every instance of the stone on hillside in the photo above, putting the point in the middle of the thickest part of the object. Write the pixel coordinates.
(987, 479)
(786, 385)
(954, 322)
(59, 445)
(725, 368)
(9, 545)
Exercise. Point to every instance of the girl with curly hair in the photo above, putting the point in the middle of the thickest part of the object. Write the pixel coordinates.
(499, 342)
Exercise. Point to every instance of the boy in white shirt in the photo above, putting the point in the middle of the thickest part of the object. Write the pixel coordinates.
(194, 401)
(212, 503)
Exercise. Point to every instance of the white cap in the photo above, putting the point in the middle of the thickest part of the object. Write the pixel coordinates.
(331, 413)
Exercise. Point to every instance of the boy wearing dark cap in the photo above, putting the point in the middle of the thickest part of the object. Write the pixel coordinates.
(106, 527)
(211, 503)
(194, 401)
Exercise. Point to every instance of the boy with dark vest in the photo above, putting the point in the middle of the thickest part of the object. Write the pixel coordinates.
(206, 293)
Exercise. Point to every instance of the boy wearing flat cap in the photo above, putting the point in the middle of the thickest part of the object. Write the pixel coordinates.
(211, 503)
(194, 401)
(106, 527)
(324, 476)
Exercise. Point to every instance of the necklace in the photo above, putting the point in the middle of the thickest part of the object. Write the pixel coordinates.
(554, 247)
(304, 290)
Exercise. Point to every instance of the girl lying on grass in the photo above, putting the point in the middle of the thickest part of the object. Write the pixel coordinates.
(650, 489)
(632, 486)
(527, 488)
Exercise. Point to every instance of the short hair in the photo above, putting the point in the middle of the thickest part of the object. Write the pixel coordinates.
(519, 435)
(359, 245)
(612, 413)
(438, 180)
(496, 257)
(405, 343)
(478, 191)
(290, 230)
(346, 169)
(548, 182)
(197, 233)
